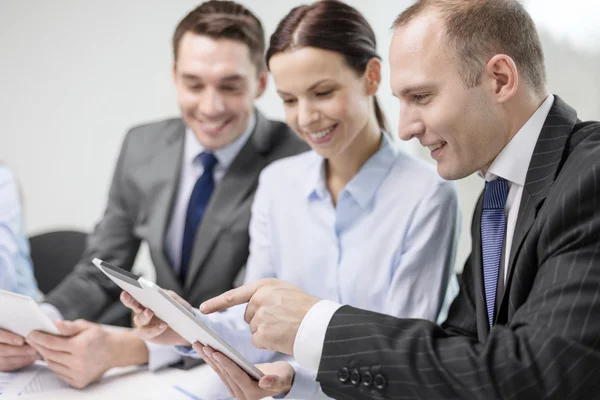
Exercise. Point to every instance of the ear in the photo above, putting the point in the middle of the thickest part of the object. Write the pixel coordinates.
(503, 76)
(373, 76)
(174, 72)
(263, 78)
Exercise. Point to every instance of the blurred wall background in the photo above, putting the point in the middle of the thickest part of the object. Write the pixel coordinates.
(75, 75)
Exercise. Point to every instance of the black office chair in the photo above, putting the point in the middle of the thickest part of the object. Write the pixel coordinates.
(54, 255)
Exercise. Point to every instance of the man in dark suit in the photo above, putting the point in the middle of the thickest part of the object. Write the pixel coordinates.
(184, 186)
(470, 78)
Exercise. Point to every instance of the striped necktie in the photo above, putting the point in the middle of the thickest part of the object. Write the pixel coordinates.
(493, 229)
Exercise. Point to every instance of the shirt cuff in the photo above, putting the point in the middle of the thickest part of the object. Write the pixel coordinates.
(187, 351)
(51, 311)
(308, 345)
(305, 385)
(160, 356)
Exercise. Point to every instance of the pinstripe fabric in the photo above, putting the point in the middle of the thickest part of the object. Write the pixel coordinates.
(493, 230)
(545, 342)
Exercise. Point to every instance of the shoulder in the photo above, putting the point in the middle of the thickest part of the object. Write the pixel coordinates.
(156, 131)
(409, 171)
(6, 176)
(8, 186)
(291, 169)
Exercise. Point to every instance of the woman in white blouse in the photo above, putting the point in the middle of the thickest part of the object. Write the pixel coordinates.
(355, 220)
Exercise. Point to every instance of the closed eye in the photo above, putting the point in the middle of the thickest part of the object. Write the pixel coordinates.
(324, 94)
(422, 99)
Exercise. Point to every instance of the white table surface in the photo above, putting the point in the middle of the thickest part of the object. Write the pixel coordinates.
(141, 384)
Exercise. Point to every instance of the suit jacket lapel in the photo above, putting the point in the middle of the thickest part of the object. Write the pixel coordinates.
(238, 182)
(544, 166)
(167, 173)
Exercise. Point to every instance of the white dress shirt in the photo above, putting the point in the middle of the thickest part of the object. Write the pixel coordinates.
(511, 164)
(191, 169)
(387, 246)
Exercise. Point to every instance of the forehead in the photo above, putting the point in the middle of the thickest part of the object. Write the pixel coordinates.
(417, 54)
(297, 69)
(208, 57)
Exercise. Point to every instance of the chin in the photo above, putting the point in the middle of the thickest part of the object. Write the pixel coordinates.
(450, 174)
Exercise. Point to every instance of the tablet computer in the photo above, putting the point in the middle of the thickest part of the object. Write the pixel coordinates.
(178, 317)
(21, 314)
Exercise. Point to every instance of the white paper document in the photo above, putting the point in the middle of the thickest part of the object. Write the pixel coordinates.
(30, 380)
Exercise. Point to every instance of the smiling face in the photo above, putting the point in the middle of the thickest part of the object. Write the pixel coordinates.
(326, 102)
(216, 85)
(463, 127)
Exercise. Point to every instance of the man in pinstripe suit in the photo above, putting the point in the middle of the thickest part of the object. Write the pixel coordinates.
(470, 78)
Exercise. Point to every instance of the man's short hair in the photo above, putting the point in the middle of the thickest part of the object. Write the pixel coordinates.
(219, 19)
(476, 30)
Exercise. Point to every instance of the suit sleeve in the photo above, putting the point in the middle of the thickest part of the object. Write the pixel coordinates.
(549, 349)
(86, 292)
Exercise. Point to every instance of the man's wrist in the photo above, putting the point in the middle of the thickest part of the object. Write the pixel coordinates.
(128, 349)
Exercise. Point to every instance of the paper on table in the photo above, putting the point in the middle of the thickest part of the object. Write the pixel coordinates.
(38, 378)
(33, 379)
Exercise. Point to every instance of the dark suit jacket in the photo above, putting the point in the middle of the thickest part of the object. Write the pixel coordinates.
(546, 338)
(140, 202)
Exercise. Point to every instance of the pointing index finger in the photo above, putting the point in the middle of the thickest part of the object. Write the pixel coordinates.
(231, 298)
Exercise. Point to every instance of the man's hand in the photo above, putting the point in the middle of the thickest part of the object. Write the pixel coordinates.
(275, 311)
(14, 353)
(151, 328)
(278, 378)
(86, 351)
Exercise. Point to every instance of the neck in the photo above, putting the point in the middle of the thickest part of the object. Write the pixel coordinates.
(517, 113)
(342, 168)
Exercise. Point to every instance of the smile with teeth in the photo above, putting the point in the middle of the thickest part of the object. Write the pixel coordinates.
(436, 146)
(322, 133)
(212, 126)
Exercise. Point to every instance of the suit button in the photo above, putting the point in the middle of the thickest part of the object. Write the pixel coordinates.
(380, 382)
(343, 375)
(367, 379)
(355, 377)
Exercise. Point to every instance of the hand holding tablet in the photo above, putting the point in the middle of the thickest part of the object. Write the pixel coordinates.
(176, 315)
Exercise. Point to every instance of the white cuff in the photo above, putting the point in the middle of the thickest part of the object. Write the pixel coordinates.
(305, 384)
(52, 312)
(187, 351)
(308, 345)
(160, 356)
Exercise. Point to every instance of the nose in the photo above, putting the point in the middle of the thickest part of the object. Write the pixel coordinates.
(409, 124)
(307, 114)
(212, 103)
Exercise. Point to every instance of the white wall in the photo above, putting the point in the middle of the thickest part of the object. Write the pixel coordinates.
(75, 75)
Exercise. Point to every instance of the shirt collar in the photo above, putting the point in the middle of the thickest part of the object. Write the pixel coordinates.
(225, 155)
(364, 184)
(513, 161)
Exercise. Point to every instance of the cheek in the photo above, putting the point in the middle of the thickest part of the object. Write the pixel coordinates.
(188, 100)
(238, 104)
(291, 118)
(342, 108)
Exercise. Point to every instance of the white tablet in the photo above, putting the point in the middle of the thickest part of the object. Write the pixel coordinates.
(21, 314)
(180, 319)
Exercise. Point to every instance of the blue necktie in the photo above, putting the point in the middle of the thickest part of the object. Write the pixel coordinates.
(493, 229)
(198, 201)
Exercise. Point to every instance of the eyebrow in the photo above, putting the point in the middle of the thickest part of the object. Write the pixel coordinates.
(229, 78)
(312, 87)
(416, 88)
